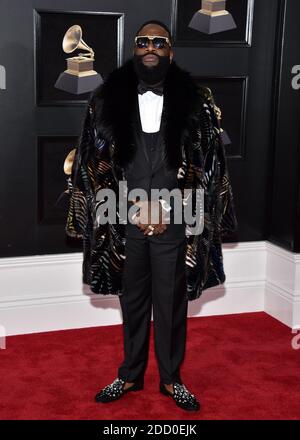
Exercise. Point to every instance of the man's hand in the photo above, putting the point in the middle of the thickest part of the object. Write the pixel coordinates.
(151, 217)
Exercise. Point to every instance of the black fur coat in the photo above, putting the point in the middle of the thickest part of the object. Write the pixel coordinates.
(193, 145)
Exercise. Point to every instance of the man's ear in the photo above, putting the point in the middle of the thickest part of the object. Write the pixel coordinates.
(171, 55)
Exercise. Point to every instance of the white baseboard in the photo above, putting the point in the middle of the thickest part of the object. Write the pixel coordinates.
(44, 292)
(282, 290)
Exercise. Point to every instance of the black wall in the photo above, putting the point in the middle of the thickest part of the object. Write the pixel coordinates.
(250, 78)
(284, 213)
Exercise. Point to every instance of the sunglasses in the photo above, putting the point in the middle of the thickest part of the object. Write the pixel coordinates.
(143, 41)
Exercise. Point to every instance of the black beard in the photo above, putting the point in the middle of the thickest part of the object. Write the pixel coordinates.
(153, 74)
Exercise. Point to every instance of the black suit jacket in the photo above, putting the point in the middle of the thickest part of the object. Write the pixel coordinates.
(148, 171)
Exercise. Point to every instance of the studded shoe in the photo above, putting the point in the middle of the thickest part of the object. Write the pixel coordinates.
(182, 397)
(115, 390)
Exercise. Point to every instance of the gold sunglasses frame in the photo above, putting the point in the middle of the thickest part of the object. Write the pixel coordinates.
(151, 37)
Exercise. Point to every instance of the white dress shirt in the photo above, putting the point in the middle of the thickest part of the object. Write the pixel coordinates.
(150, 105)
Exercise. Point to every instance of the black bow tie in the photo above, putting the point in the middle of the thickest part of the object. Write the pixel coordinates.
(158, 90)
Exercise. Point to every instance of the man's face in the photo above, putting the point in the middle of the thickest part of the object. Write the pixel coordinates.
(150, 54)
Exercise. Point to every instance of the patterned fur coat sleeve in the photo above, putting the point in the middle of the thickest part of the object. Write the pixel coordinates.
(204, 166)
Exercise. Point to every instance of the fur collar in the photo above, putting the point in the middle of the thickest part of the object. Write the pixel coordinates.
(116, 101)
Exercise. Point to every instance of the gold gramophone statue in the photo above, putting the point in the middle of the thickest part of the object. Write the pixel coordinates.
(68, 163)
(79, 76)
(63, 199)
(223, 134)
(212, 18)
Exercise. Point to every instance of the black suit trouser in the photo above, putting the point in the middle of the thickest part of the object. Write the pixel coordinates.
(154, 274)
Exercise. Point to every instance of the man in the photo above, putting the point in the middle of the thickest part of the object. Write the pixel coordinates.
(151, 125)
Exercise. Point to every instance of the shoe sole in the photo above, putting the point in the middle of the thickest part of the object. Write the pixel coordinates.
(166, 393)
(130, 389)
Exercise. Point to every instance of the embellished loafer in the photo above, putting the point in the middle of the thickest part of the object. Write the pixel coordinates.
(115, 390)
(182, 397)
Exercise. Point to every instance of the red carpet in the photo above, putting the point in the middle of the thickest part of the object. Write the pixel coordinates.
(239, 366)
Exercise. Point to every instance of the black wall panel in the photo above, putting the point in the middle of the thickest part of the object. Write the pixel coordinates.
(241, 68)
(284, 213)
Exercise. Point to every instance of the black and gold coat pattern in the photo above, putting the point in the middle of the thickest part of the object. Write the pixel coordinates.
(192, 145)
